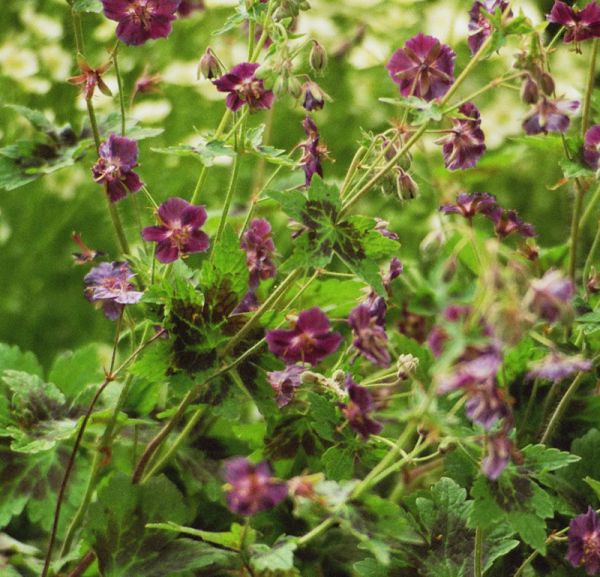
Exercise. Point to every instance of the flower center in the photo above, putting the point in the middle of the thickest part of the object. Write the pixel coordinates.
(141, 13)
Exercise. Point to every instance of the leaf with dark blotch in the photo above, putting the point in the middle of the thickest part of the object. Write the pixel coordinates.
(117, 532)
(33, 413)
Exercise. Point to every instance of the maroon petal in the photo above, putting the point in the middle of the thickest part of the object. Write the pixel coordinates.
(155, 233)
(198, 242)
(194, 216)
(166, 252)
(171, 211)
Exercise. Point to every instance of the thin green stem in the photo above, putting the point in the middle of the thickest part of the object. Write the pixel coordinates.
(271, 302)
(73, 455)
(115, 60)
(228, 198)
(579, 191)
(168, 455)
(589, 209)
(478, 556)
(587, 101)
(360, 153)
(563, 404)
(204, 171)
(591, 255)
(265, 32)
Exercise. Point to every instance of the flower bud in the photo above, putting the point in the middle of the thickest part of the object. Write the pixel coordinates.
(294, 87)
(547, 83)
(318, 57)
(406, 186)
(593, 281)
(280, 88)
(406, 364)
(209, 66)
(529, 90)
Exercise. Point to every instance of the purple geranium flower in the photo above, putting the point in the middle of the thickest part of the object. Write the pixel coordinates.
(284, 383)
(550, 116)
(550, 296)
(252, 488)
(179, 232)
(310, 341)
(313, 151)
(423, 68)
(313, 97)
(114, 168)
(110, 284)
(395, 269)
(370, 337)
(468, 205)
(499, 450)
(507, 222)
(556, 367)
(591, 147)
(244, 88)
(479, 26)
(470, 373)
(580, 24)
(381, 226)
(584, 542)
(259, 247)
(141, 20)
(486, 405)
(358, 408)
(465, 143)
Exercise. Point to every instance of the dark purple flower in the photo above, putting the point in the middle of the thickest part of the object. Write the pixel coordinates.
(313, 97)
(479, 26)
(259, 247)
(358, 408)
(591, 147)
(580, 24)
(465, 143)
(110, 284)
(381, 226)
(550, 296)
(423, 68)
(179, 233)
(252, 488)
(370, 337)
(499, 450)
(141, 20)
(310, 341)
(556, 367)
(244, 88)
(471, 373)
(313, 151)
(285, 383)
(470, 204)
(114, 168)
(395, 269)
(584, 542)
(486, 405)
(507, 221)
(550, 116)
(187, 7)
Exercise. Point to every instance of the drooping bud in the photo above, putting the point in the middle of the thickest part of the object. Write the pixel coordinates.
(209, 65)
(529, 90)
(593, 281)
(294, 87)
(318, 57)
(407, 188)
(547, 83)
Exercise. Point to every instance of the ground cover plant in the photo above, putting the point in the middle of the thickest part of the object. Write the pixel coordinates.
(299, 288)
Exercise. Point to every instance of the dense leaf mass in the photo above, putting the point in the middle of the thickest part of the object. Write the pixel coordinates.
(299, 288)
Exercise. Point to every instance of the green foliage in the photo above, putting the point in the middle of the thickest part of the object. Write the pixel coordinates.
(117, 534)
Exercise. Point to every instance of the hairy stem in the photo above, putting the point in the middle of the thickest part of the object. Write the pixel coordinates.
(115, 59)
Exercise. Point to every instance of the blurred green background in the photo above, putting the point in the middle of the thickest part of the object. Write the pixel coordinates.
(42, 306)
